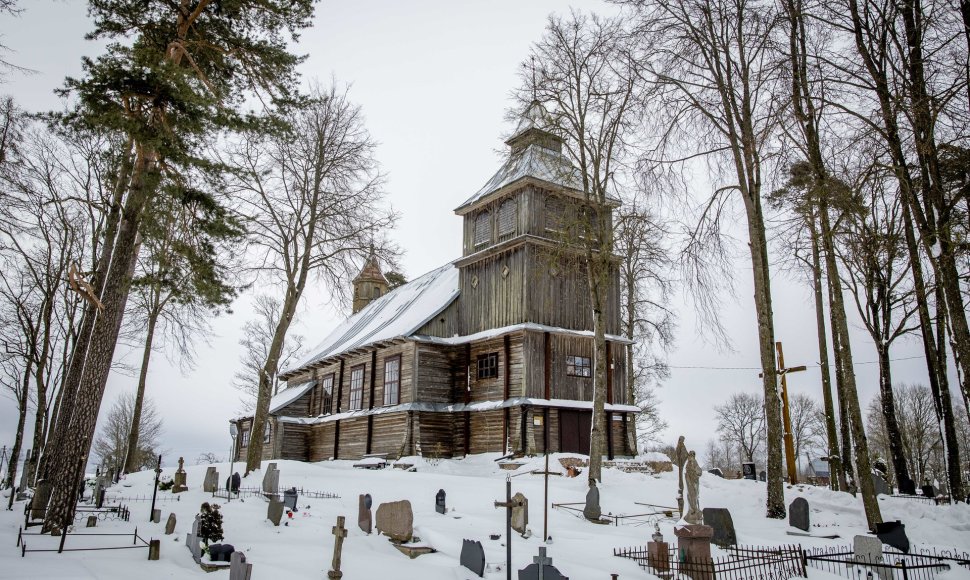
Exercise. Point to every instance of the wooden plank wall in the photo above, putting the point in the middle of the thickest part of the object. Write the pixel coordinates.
(298, 408)
(294, 444)
(365, 358)
(445, 324)
(436, 372)
(619, 435)
(493, 389)
(486, 431)
(321, 441)
(389, 432)
(353, 438)
(437, 434)
(497, 299)
(558, 293)
(269, 449)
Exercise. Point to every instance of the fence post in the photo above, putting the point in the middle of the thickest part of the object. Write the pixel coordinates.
(134, 537)
(20, 532)
(905, 572)
(60, 547)
(804, 560)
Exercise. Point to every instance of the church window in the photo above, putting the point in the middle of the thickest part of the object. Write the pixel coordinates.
(245, 437)
(488, 365)
(357, 388)
(555, 214)
(267, 431)
(579, 366)
(506, 219)
(483, 234)
(377, 292)
(326, 392)
(392, 380)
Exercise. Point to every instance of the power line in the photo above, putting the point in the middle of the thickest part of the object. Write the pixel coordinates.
(815, 365)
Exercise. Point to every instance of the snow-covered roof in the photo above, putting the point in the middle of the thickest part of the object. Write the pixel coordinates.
(533, 161)
(288, 395)
(820, 468)
(397, 314)
(494, 332)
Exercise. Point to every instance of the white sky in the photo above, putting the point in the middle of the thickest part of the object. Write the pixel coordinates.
(434, 80)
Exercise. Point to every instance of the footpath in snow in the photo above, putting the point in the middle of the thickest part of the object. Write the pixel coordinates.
(302, 549)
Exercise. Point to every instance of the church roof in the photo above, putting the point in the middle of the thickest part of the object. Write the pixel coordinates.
(397, 314)
(371, 270)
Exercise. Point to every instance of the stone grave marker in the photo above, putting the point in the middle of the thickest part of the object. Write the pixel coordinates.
(154, 547)
(592, 510)
(157, 515)
(92, 521)
(658, 551)
(339, 533)
(192, 540)
(720, 519)
(238, 568)
(180, 485)
(694, 547)
(868, 550)
(211, 482)
(271, 480)
(520, 513)
(290, 498)
(170, 524)
(929, 490)
(907, 487)
(439, 502)
(38, 504)
(798, 516)
(880, 485)
(541, 568)
(893, 534)
(749, 470)
(364, 518)
(221, 552)
(762, 475)
(396, 520)
(233, 482)
(473, 557)
(274, 512)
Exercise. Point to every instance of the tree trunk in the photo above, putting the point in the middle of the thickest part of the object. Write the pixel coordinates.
(888, 402)
(847, 390)
(598, 274)
(836, 474)
(65, 467)
(954, 474)
(19, 439)
(131, 454)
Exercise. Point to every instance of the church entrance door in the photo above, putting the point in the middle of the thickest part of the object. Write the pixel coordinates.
(574, 427)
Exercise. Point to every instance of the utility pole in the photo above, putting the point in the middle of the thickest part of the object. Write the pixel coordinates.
(789, 440)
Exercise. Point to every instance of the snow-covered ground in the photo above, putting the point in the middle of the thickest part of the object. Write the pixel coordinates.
(581, 550)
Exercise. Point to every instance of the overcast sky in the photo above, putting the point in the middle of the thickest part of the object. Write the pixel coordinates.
(433, 79)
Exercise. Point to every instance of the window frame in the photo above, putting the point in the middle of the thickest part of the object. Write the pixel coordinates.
(395, 358)
(357, 391)
(485, 216)
(244, 437)
(326, 397)
(579, 366)
(490, 367)
(267, 434)
(511, 206)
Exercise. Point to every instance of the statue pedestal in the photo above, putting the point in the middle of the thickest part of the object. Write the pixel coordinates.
(179, 486)
(658, 556)
(694, 551)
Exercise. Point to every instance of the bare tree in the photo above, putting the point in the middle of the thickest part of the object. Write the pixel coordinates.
(741, 421)
(111, 445)
(256, 342)
(584, 77)
(805, 414)
(312, 201)
(208, 458)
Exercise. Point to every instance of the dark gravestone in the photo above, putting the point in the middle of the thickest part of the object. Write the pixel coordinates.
(473, 557)
(439, 502)
(929, 490)
(907, 487)
(274, 512)
(92, 521)
(154, 547)
(549, 572)
(290, 498)
(720, 519)
(893, 534)
(233, 482)
(749, 470)
(221, 552)
(592, 509)
(716, 471)
(763, 475)
(364, 519)
(798, 514)
(880, 485)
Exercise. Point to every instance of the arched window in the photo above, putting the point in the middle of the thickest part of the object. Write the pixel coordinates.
(506, 219)
(377, 292)
(483, 234)
(555, 214)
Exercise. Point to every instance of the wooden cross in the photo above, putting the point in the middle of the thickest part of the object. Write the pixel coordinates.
(786, 414)
(339, 533)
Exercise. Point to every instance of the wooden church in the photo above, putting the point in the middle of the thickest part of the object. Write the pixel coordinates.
(490, 353)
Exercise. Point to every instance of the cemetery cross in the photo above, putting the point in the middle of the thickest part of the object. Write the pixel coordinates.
(339, 533)
(508, 504)
(158, 472)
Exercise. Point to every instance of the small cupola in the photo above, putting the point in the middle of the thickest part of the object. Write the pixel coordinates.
(370, 284)
(533, 129)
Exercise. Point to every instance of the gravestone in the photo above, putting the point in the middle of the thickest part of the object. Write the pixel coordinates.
(762, 475)
(592, 510)
(929, 490)
(749, 470)
(170, 524)
(798, 516)
(92, 521)
(716, 471)
(520, 513)
(473, 557)
(396, 520)
(720, 519)
(547, 572)
(238, 568)
(211, 482)
(893, 534)
(907, 486)
(880, 485)
(364, 519)
(192, 540)
(154, 547)
(339, 533)
(868, 550)
(658, 551)
(233, 482)
(290, 498)
(271, 480)
(157, 515)
(439, 502)
(179, 485)
(694, 549)
(221, 552)
(38, 504)
(274, 512)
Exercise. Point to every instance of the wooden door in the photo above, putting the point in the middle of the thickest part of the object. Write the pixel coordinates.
(574, 427)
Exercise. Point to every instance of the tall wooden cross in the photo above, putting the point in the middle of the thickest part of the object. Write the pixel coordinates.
(339, 533)
(789, 440)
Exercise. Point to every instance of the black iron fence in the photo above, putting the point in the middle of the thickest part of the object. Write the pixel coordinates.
(118, 512)
(890, 565)
(743, 563)
(47, 543)
(258, 492)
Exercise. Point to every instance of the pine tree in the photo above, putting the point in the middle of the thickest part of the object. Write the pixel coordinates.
(210, 523)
